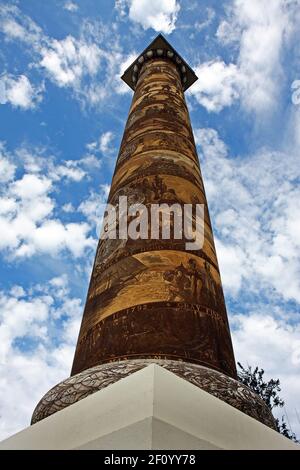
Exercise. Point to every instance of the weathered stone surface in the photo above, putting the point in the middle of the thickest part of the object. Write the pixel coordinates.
(91, 380)
(154, 298)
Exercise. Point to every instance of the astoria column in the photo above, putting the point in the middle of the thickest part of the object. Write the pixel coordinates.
(154, 300)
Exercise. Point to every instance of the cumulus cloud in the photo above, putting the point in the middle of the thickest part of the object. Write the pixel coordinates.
(217, 85)
(30, 187)
(262, 32)
(268, 342)
(228, 33)
(68, 207)
(265, 27)
(93, 207)
(38, 330)
(121, 7)
(17, 26)
(105, 141)
(102, 145)
(19, 92)
(53, 237)
(27, 204)
(160, 15)
(80, 64)
(66, 61)
(7, 168)
(256, 214)
(201, 25)
(71, 6)
(34, 162)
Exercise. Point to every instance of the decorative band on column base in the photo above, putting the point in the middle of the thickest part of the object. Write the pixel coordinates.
(96, 378)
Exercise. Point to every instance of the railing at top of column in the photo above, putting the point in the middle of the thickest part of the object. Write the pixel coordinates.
(159, 53)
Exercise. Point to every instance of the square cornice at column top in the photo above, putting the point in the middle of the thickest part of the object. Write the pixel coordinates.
(159, 47)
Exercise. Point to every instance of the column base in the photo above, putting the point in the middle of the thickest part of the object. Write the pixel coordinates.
(152, 408)
(97, 378)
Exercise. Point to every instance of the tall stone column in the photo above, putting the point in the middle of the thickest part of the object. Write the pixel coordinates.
(154, 300)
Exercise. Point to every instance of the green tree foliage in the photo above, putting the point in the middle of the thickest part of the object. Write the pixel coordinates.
(268, 391)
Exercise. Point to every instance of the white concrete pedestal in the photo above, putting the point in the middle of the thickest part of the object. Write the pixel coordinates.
(150, 409)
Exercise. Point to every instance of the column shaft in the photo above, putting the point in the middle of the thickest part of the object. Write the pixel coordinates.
(154, 298)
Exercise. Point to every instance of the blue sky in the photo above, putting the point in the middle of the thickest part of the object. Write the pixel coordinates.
(62, 112)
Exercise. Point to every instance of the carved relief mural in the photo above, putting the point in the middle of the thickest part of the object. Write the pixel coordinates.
(153, 298)
(149, 166)
(158, 267)
(158, 141)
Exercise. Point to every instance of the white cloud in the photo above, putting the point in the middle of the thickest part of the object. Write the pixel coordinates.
(19, 92)
(269, 343)
(71, 170)
(38, 330)
(94, 206)
(161, 15)
(68, 208)
(121, 7)
(210, 142)
(17, 26)
(217, 85)
(7, 168)
(201, 25)
(53, 236)
(17, 291)
(103, 144)
(13, 30)
(68, 60)
(30, 187)
(266, 26)
(228, 33)
(90, 162)
(233, 265)
(262, 31)
(27, 219)
(105, 141)
(80, 64)
(71, 6)
(255, 207)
